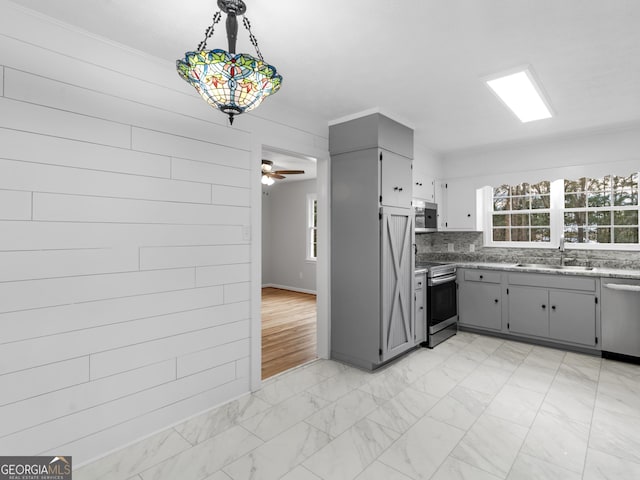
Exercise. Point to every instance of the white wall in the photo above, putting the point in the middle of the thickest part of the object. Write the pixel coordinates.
(127, 288)
(284, 247)
(592, 153)
(426, 160)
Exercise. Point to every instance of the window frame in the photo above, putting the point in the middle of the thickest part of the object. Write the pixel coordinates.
(515, 211)
(311, 227)
(611, 208)
(556, 220)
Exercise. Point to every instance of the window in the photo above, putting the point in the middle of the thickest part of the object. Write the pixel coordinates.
(601, 210)
(521, 213)
(312, 227)
(590, 211)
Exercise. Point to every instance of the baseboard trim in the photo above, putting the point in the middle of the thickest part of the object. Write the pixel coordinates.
(285, 287)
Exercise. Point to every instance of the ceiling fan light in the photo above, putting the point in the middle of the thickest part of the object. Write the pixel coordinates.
(267, 166)
(267, 180)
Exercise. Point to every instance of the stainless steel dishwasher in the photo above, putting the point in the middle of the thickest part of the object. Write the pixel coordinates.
(621, 316)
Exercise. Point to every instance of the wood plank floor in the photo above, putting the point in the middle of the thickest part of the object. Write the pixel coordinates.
(288, 330)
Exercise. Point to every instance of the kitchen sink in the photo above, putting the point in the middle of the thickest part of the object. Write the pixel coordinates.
(555, 267)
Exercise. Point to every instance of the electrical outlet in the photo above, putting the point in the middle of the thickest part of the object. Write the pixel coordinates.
(472, 247)
(450, 247)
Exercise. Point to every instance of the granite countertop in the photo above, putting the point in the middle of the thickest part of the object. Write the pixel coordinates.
(595, 272)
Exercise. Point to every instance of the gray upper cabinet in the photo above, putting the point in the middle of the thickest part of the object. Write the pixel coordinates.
(395, 180)
(372, 315)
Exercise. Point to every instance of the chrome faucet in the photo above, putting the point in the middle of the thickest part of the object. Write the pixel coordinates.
(561, 248)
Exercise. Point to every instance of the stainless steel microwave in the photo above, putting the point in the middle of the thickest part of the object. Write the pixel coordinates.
(426, 216)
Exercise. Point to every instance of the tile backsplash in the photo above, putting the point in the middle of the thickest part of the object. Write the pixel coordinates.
(468, 247)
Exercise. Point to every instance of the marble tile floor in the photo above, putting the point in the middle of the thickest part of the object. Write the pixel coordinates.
(473, 408)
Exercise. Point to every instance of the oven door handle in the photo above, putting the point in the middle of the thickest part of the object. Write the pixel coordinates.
(440, 280)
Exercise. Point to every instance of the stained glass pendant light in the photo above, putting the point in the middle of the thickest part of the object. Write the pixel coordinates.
(234, 83)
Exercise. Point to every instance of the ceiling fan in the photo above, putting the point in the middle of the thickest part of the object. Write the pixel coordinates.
(269, 174)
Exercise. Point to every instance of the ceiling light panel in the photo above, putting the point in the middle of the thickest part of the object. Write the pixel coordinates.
(519, 91)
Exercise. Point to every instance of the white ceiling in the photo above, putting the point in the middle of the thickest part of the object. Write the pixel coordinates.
(418, 61)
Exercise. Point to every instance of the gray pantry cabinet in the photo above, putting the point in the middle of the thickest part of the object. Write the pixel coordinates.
(372, 259)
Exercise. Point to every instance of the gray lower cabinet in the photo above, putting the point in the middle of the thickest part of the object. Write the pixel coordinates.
(528, 312)
(480, 299)
(549, 307)
(420, 304)
(554, 307)
(573, 317)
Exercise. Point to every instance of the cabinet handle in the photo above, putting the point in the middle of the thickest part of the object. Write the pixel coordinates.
(496, 300)
(419, 284)
(544, 306)
(421, 308)
(553, 307)
(469, 215)
(400, 189)
(481, 277)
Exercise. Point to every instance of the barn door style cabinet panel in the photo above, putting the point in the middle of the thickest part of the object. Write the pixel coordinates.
(372, 258)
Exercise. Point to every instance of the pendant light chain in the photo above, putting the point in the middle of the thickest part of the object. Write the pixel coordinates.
(252, 37)
(209, 31)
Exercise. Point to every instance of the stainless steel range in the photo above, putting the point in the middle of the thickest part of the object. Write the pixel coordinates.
(442, 302)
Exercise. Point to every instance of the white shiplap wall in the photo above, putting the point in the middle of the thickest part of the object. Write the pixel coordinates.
(125, 267)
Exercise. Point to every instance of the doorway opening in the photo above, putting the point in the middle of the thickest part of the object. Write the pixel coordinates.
(289, 261)
(289, 332)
